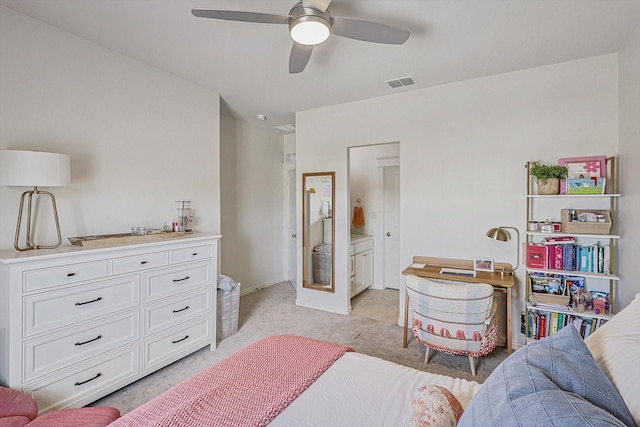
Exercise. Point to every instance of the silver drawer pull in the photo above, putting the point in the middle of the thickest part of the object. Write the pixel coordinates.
(181, 339)
(181, 280)
(182, 309)
(89, 302)
(87, 342)
(98, 375)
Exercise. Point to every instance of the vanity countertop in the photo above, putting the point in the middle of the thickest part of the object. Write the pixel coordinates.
(355, 238)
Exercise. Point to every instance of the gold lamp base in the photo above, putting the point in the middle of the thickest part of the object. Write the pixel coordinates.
(30, 244)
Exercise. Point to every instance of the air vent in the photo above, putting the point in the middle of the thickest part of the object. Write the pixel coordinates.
(286, 128)
(403, 81)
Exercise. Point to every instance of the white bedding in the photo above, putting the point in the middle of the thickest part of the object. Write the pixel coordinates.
(361, 390)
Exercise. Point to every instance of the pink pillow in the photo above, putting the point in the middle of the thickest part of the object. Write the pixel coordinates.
(433, 405)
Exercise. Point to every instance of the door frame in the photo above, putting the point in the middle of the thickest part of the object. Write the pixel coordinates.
(290, 229)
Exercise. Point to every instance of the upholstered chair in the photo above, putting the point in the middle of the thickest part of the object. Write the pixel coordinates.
(452, 317)
(19, 409)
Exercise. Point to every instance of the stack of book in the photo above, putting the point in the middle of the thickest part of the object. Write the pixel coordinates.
(542, 323)
(562, 253)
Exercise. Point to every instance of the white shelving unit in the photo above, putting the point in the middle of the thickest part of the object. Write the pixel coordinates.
(547, 207)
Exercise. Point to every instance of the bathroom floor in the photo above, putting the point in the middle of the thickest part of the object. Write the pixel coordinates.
(376, 304)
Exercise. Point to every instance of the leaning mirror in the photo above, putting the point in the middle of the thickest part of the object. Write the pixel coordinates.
(318, 230)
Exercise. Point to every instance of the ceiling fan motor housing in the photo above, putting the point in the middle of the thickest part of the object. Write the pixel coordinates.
(308, 25)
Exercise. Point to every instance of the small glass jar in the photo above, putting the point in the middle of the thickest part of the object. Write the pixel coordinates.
(547, 227)
(138, 231)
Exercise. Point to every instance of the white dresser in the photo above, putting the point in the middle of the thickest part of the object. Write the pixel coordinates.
(78, 323)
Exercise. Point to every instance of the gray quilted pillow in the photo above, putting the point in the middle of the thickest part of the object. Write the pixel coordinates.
(551, 382)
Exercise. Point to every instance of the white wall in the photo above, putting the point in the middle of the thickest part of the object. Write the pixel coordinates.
(253, 209)
(463, 148)
(629, 158)
(139, 138)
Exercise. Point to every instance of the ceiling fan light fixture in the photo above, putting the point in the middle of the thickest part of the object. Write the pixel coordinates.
(309, 30)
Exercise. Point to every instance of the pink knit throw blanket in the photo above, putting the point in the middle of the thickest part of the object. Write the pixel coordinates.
(247, 388)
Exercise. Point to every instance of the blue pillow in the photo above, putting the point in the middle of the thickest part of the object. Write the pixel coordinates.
(552, 382)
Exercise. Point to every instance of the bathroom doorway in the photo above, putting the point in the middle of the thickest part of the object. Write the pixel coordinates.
(374, 187)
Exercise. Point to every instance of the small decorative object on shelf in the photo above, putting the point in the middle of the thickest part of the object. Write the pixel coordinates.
(547, 227)
(547, 177)
(185, 220)
(586, 174)
(571, 265)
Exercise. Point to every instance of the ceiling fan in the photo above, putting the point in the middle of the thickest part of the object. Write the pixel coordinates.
(310, 23)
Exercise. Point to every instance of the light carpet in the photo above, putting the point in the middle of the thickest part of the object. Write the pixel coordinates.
(272, 311)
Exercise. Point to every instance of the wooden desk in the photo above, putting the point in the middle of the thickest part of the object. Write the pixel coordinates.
(432, 269)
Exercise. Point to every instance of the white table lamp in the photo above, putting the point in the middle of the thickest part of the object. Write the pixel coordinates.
(34, 169)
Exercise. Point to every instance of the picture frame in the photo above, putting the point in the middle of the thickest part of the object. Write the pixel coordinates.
(584, 167)
(483, 264)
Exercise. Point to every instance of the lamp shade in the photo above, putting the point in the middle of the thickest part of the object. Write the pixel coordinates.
(34, 168)
(498, 234)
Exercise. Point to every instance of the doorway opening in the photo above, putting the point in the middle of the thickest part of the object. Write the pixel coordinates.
(374, 203)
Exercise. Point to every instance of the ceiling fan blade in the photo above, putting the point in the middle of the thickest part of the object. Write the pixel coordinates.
(299, 57)
(368, 31)
(236, 15)
(321, 5)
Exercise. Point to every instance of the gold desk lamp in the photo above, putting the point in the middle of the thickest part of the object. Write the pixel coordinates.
(34, 169)
(501, 234)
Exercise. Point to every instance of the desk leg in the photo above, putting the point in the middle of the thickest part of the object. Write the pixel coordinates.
(406, 317)
(509, 337)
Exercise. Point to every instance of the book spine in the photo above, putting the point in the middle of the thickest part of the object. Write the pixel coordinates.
(554, 323)
(583, 258)
(601, 259)
(560, 321)
(567, 256)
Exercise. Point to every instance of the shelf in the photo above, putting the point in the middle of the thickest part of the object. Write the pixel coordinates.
(561, 234)
(590, 274)
(570, 196)
(590, 314)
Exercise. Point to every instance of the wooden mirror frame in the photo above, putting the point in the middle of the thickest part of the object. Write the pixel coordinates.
(314, 211)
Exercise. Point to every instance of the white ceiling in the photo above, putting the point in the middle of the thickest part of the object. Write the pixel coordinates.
(247, 63)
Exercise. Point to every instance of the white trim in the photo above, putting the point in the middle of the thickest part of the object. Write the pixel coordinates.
(388, 161)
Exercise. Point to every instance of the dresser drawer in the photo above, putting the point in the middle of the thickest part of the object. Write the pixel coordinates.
(139, 262)
(44, 355)
(90, 378)
(191, 254)
(177, 280)
(168, 313)
(64, 275)
(44, 312)
(161, 347)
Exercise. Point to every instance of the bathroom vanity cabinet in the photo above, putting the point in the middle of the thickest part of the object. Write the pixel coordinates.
(361, 263)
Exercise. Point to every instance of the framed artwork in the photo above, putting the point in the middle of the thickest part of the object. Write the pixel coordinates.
(592, 167)
(483, 264)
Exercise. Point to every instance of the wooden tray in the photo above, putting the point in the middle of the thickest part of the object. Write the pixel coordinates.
(116, 239)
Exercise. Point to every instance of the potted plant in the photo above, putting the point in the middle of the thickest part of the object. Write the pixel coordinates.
(548, 177)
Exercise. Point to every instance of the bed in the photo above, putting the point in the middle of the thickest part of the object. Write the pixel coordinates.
(296, 381)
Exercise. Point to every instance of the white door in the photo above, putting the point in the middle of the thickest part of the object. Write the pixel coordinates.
(391, 209)
(292, 226)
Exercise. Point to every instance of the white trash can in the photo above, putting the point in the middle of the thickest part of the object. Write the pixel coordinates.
(227, 307)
